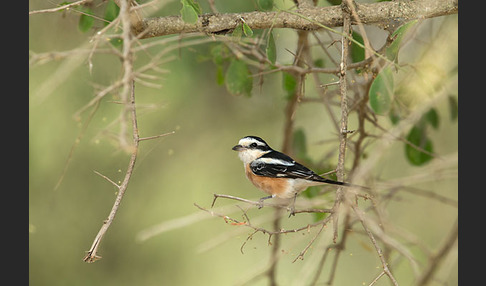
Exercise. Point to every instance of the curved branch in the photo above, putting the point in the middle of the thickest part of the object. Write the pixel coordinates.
(374, 13)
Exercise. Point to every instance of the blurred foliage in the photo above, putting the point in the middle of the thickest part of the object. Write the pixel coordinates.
(174, 172)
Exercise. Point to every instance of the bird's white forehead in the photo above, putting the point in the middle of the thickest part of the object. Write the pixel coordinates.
(247, 141)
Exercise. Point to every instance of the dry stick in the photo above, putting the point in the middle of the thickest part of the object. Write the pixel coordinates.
(290, 109)
(266, 231)
(339, 248)
(127, 55)
(377, 278)
(128, 99)
(67, 6)
(274, 257)
(436, 258)
(344, 118)
(304, 251)
(92, 253)
(255, 203)
(75, 145)
(384, 264)
(320, 267)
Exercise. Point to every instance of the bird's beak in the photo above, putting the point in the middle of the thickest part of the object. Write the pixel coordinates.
(238, 148)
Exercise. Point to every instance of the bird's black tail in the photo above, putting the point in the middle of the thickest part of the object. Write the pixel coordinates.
(332, 182)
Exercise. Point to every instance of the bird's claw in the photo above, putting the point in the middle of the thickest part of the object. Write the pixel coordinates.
(292, 211)
(260, 204)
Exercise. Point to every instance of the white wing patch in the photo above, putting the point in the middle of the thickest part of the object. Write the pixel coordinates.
(274, 161)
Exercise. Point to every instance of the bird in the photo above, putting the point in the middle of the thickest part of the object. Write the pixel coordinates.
(276, 173)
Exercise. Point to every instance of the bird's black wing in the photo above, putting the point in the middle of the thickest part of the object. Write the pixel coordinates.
(278, 165)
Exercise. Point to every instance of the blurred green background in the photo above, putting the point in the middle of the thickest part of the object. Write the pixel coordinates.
(174, 172)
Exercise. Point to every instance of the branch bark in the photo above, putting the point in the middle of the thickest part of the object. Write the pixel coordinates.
(301, 19)
(128, 97)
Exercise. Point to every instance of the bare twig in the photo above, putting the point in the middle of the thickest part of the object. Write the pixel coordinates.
(384, 263)
(156, 136)
(67, 6)
(344, 117)
(304, 251)
(92, 255)
(106, 178)
(437, 257)
(128, 98)
(75, 145)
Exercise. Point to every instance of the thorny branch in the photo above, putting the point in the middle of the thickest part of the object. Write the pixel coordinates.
(346, 15)
(343, 130)
(92, 255)
(129, 110)
(375, 238)
(374, 13)
(128, 99)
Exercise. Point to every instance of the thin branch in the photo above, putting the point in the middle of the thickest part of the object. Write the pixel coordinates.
(156, 136)
(384, 264)
(92, 256)
(67, 6)
(264, 230)
(128, 98)
(339, 247)
(377, 278)
(436, 258)
(75, 145)
(106, 178)
(259, 204)
(344, 116)
(304, 251)
(331, 16)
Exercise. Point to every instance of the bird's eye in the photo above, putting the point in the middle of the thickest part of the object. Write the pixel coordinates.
(253, 145)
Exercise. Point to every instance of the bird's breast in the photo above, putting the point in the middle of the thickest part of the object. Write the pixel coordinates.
(273, 186)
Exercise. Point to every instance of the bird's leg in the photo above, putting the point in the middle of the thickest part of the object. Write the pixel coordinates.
(260, 202)
(292, 206)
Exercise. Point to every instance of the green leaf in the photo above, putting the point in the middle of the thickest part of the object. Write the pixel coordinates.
(271, 49)
(394, 116)
(116, 42)
(312, 192)
(238, 78)
(453, 108)
(63, 4)
(319, 63)
(397, 36)
(188, 14)
(111, 12)
(319, 216)
(432, 117)
(219, 75)
(194, 5)
(299, 144)
(417, 137)
(217, 53)
(247, 30)
(289, 83)
(381, 92)
(357, 52)
(85, 20)
(265, 5)
(237, 32)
